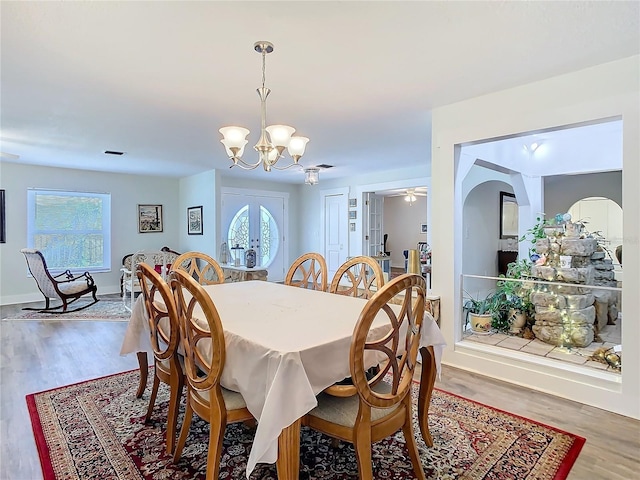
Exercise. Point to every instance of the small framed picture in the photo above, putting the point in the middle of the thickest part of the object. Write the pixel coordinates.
(353, 202)
(149, 218)
(352, 214)
(352, 227)
(194, 220)
(423, 228)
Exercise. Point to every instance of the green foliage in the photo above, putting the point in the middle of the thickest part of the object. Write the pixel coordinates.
(515, 294)
(535, 233)
(493, 304)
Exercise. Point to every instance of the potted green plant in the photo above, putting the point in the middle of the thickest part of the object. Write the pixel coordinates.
(483, 313)
(517, 308)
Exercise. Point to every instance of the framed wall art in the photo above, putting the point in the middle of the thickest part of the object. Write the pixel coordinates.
(423, 228)
(353, 203)
(352, 215)
(149, 218)
(194, 220)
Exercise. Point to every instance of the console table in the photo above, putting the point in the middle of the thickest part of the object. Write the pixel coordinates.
(243, 274)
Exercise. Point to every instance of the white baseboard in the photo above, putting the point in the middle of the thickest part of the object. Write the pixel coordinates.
(37, 296)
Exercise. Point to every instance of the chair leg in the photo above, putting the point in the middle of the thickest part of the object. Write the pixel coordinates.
(362, 446)
(143, 364)
(175, 387)
(184, 431)
(217, 426)
(410, 440)
(152, 399)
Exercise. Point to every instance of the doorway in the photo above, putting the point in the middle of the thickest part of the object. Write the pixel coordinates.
(403, 216)
(257, 221)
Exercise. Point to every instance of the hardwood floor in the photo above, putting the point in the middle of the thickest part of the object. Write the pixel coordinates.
(36, 355)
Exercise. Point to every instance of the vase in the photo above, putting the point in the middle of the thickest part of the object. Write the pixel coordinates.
(517, 321)
(480, 323)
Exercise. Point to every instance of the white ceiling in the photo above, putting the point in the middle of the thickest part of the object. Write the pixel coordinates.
(157, 79)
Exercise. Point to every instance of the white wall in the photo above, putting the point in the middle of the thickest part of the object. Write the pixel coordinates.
(199, 190)
(481, 229)
(402, 222)
(605, 91)
(127, 191)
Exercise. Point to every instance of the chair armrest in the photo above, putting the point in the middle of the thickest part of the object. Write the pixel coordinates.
(67, 274)
(72, 278)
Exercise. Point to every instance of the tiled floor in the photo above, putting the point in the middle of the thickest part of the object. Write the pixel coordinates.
(611, 335)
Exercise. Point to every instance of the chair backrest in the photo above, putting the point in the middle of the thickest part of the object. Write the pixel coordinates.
(200, 328)
(204, 269)
(38, 268)
(161, 260)
(161, 316)
(358, 277)
(308, 271)
(400, 345)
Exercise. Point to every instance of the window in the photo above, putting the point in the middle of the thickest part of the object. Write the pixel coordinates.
(266, 238)
(71, 229)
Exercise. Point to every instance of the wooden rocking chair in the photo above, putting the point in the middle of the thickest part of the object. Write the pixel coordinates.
(66, 287)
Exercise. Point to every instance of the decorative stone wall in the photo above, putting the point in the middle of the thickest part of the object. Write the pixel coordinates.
(565, 315)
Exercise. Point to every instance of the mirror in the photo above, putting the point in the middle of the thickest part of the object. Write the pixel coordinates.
(508, 216)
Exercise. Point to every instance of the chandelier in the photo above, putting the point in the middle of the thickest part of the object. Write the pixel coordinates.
(273, 140)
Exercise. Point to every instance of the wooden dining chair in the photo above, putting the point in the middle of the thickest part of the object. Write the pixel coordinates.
(205, 396)
(165, 334)
(204, 269)
(383, 402)
(308, 271)
(358, 277)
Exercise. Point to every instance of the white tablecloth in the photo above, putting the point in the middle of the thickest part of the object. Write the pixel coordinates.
(284, 345)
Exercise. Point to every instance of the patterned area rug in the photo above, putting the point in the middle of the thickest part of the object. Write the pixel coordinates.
(103, 310)
(95, 430)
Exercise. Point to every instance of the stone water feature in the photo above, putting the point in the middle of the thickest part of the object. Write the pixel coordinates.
(571, 315)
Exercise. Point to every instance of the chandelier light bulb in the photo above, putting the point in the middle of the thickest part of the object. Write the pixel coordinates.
(280, 135)
(297, 146)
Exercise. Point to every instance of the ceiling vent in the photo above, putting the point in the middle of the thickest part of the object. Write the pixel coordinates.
(324, 165)
(113, 152)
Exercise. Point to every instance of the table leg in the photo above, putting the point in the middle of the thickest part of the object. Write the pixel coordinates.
(288, 464)
(143, 364)
(427, 380)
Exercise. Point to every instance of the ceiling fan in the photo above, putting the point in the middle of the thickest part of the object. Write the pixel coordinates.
(410, 194)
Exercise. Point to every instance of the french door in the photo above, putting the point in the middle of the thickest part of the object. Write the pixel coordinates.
(373, 224)
(258, 222)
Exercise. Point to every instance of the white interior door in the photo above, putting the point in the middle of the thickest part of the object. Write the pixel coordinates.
(335, 231)
(258, 222)
(374, 227)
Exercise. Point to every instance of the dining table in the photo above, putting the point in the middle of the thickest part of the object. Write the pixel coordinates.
(285, 345)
